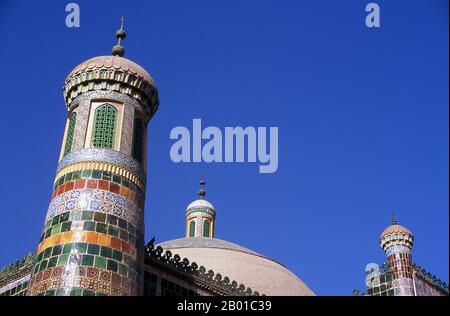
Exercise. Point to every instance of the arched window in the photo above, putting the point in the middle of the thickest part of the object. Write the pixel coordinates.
(70, 132)
(192, 228)
(104, 126)
(138, 140)
(206, 228)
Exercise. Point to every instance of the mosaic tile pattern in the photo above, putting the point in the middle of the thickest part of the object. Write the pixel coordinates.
(97, 201)
(399, 262)
(81, 126)
(94, 223)
(81, 280)
(127, 130)
(104, 155)
(107, 95)
(112, 169)
(16, 288)
(103, 180)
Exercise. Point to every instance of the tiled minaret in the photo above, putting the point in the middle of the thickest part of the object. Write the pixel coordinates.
(200, 216)
(397, 242)
(93, 238)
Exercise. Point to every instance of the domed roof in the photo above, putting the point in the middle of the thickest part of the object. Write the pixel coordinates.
(395, 229)
(112, 62)
(241, 264)
(200, 203)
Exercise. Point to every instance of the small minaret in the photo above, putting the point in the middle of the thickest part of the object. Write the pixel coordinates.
(200, 216)
(397, 242)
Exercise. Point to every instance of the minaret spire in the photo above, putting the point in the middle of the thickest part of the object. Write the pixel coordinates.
(119, 50)
(200, 215)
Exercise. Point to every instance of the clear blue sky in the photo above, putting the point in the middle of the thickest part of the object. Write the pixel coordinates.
(362, 116)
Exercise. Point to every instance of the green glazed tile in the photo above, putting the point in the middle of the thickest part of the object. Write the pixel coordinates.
(57, 249)
(67, 248)
(93, 249)
(55, 220)
(87, 215)
(101, 228)
(87, 260)
(76, 175)
(75, 292)
(117, 255)
(100, 262)
(81, 247)
(106, 252)
(117, 179)
(43, 265)
(52, 262)
(99, 217)
(89, 226)
(88, 293)
(112, 231)
(64, 217)
(47, 253)
(96, 174)
(65, 227)
(62, 260)
(123, 270)
(111, 265)
(56, 229)
(86, 174)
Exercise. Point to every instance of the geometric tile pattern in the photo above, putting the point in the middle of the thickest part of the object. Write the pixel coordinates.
(102, 155)
(70, 132)
(127, 129)
(16, 288)
(108, 170)
(81, 280)
(104, 180)
(400, 266)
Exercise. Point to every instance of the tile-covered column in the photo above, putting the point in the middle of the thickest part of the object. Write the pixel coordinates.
(93, 237)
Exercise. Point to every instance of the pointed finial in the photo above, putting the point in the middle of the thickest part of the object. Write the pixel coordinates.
(394, 219)
(118, 50)
(202, 191)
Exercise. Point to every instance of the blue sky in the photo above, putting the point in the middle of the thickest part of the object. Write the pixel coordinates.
(362, 116)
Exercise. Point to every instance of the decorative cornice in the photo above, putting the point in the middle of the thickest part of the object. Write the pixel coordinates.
(205, 279)
(431, 278)
(101, 166)
(16, 270)
(107, 95)
(112, 80)
(206, 210)
(396, 238)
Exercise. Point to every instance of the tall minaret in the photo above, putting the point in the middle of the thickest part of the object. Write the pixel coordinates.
(93, 239)
(397, 242)
(200, 216)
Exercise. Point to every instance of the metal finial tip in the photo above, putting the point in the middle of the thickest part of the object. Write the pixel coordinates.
(202, 191)
(118, 49)
(394, 219)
